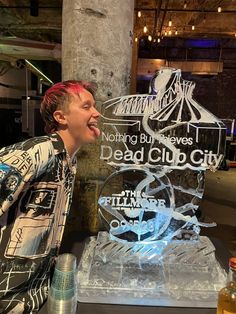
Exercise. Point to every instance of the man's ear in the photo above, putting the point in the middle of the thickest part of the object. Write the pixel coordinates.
(59, 116)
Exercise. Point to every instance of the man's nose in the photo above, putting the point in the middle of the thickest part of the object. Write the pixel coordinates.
(96, 113)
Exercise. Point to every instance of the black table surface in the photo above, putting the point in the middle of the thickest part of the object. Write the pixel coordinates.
(76, 247)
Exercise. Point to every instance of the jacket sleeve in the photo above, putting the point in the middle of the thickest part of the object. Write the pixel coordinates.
(16, 170)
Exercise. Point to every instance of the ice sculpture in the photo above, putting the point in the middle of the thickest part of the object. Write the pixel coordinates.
(158, 147)
(165, 135)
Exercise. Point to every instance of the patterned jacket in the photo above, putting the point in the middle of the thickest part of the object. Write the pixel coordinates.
(36, 183)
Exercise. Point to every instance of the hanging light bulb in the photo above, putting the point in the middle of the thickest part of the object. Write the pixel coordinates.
(158, 40)
(136, 39)
(165, 33)
(149, 37)
(176, 32)
(219, 9)
(170, 22)
(154, 40)
(170, 32)
(193, 27)
(185, 4)
(145, 29)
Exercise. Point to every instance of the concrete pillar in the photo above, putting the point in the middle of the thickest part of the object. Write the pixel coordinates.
(96, 46)
(133, 84)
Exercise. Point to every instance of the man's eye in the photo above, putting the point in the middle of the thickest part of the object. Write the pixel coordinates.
(86, 106)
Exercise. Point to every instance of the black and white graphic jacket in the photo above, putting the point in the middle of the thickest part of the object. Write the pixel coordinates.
(36, 183)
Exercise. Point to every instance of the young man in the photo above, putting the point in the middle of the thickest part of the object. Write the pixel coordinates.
(36, 184)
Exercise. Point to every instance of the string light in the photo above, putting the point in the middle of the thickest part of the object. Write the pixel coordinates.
(170, 23)
(193, 27)
(158, 40)
(176, 32)
(149, 37)
(170, 32)
(185, 4)
(219, 9)
(139, 14)
(136, 39)
(165, 33)
(145, 29)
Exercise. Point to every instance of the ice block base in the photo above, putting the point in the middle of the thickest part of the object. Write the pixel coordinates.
(177, 273)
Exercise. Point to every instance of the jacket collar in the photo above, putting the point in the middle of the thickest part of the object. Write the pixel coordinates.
(57, 143)
(59, 147)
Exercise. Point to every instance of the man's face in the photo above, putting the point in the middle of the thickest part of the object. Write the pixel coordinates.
(82, 117)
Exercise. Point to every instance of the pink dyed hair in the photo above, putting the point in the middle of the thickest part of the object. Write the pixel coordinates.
(58, 96)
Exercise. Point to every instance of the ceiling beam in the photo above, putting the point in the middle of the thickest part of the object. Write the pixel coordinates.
(29, 27)
(29, 49)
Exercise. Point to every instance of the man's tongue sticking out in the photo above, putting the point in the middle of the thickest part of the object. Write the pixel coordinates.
(95, 130)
